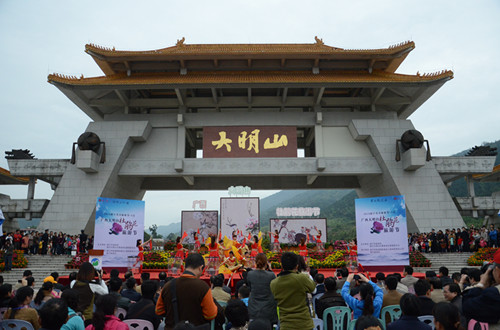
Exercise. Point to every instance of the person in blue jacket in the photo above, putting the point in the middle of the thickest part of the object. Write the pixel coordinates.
(371, 297)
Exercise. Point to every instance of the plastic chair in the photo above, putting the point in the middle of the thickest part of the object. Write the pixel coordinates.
(139, 324)
(474, 324)
(120, 313)
(2, 312)
(222, 304)
(352, 325)
(427, 319)
(394, 312)
(315, 298)
(318, 324)
(16, 325)
(340, 317)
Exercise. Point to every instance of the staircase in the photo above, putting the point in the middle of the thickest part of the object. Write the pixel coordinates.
(453, 261)
(41, 266)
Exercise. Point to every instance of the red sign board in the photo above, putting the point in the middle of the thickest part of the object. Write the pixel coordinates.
(249, 141)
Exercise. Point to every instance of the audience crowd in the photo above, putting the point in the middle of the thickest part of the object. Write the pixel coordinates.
(261, 300)
(459, 240)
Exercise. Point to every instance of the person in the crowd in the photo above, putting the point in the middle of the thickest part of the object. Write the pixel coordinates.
(243, 294)
(5, 295)
(22, 282)
(115, 287)
(130, 291)
(290, 290)
(330, 299)
(53, 314)
(217, 292)
(473, 277)
(104, 316)
(236, 313)
(162, 279)
(452, 294)
(196, 303)
(482, 303)
(53, 277)
(87, 289)
(319, 279)
(19, 307)
(423, 292)
(446, 317)
(8, 253)
(380, 277)
(401, 288)
(391, 297)
(43, 295)
(371, 297)
(261, 303)
(144, 277)
(443, 275)
(409, 280)
(71, 278)
(436, 290)
(341, 276)
(75, 320)
(368, 322)
(260, 324)
(410, 310)
(144, 309)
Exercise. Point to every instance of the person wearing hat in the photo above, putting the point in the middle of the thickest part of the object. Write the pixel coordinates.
(482, 303)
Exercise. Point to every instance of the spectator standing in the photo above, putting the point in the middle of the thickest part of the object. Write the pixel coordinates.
(45, 241)
(144, 309)
(87, 289)
(330, 299)
(290, 290)
(8, 254)
(261, 303)
(493, 236)
(17, 240)
(194, 297)
(83, 241)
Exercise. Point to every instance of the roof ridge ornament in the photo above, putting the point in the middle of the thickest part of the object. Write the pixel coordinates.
(180, 42)
(319, 42)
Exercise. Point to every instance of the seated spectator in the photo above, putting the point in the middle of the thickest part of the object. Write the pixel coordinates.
(162, 277)
(128, 274)
(456, 277)
(19, 307)
(129, 291)
(371, 297)
(341, 276)
(43, 295)
(330, 299)
(114, 273)
(453, 295)
(368, 322)
(483, 305)
(53, 277)
(236, 313)
(443, 275)
(30, 281)
(436, 290)
(410, 310)
(144, 309)
(391, 297)
(401, 288)
(104, 315)
(446, 317)
(71, 278)
(423, 292)
(217, 292)
(473, 276)
(380, 277)
(115, 287)
(243, 294)
(430, 274)
(53, 314)
(75, 321)
(5, 295)
(22, 282)
(319, 279)
(144, 277)
(408, 279)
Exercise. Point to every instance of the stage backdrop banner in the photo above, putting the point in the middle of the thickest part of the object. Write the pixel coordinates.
(119, 223)
(293, 230)
(204, 221)
(239, 214)
(381, 230)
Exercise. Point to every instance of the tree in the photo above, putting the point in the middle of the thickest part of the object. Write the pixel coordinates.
(154, 231)
(171, 237)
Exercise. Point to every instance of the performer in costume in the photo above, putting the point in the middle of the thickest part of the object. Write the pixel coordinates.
(276, 243)
(140, 255)
(197, 244)
(230, 264)
(303, 249)
(179, 256)
(213, 257)
(319, 244)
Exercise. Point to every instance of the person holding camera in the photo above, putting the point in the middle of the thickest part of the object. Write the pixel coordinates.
(482, 303)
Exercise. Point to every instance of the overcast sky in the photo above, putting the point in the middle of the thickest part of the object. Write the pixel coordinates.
(42, 37)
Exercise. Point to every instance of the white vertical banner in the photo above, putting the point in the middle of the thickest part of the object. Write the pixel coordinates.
(381, 231)
(119, 223)
(2, 219)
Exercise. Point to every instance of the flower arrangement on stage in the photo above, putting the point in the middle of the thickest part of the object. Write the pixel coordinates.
(77, 261)
(157, 260)
(18, 260)
(417, 259)
(329, 259)
(481, 256)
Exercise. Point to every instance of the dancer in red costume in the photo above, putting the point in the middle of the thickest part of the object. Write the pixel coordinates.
(197, 244)
(276, 243)
(213, 257)
(140, 255)
(303, 249)
(319, 244)
(178, 263)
